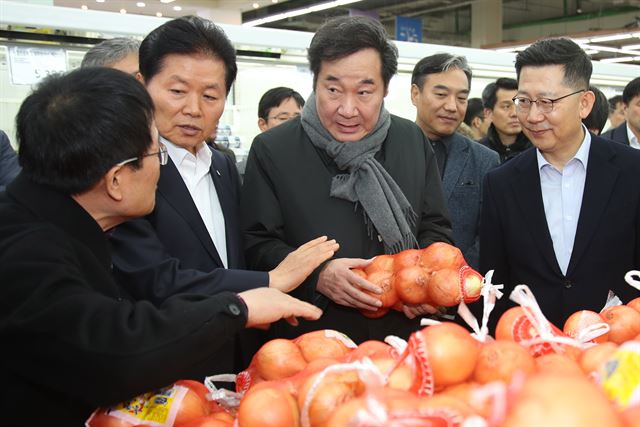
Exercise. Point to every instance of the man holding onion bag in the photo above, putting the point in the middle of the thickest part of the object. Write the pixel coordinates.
(72, 338)
(349, 169)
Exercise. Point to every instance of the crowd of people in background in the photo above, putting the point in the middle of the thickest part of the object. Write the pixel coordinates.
(134, 251)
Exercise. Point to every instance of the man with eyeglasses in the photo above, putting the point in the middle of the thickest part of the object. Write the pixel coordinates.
(504, 135)
(564, 218)
(72, 338)
(278, 105)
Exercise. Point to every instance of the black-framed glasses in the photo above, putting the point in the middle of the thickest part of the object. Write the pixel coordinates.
(163, 156)
(545, 105)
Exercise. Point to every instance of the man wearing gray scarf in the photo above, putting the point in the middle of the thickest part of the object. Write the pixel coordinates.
(348, 169)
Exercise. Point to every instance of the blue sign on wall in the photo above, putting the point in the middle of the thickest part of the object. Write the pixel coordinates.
(408, 29)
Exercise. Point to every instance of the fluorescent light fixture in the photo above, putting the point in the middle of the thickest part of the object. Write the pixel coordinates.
(609, 49)
(159, 14)
(167, 1)
(140, 4)
(99, 1)
(591, 51)
(177, 8)
(632, 46)
(84, 7)
(610, 38)
(123, 11)
(255, 5)
(298, 12)
(622, 59)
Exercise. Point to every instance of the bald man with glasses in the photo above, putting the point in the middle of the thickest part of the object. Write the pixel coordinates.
(563, 218)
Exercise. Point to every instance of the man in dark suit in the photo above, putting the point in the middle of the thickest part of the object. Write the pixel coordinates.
(191, 241)
(440, 86)
(563, 218)
(629, 131)
(72, 338)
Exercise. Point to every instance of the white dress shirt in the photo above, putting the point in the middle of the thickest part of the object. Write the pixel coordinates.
(195, 172)
(633, 139)
(562, 197)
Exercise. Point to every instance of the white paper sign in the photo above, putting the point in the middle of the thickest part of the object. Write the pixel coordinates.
(28, 65)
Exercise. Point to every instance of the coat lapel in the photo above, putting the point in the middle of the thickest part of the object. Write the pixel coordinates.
(528, 194)
(174, 190)
(598, 187)
(457, 158)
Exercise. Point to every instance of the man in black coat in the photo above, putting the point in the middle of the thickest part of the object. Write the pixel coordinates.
(349, 169)
(72, 338)
(504, 135)
(191, 241)
(564, 218)
(628, 132)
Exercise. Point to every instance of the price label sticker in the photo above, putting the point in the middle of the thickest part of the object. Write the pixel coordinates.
(28, 65)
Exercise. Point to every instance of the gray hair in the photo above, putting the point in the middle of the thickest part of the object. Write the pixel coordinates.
(439, 63)
(109, 52)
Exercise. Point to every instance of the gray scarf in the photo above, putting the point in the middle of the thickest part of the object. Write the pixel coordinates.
(367, 182)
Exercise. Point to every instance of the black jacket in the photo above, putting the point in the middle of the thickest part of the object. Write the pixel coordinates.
(285, 202)
(170, 251)
(72, 339)
(506, 152)
(618, 134)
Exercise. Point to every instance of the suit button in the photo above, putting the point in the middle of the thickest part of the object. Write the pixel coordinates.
(234, 309)
(568, 284)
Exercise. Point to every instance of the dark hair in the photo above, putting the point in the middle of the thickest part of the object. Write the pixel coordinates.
(75, 127)
(558, 51)
(599, 114)
(276, 96)
(188, 35)
(439, 63)
(474, 109)
(631, 90)
(341, 37)
(613, 102)
(490, 92)
(109, 52)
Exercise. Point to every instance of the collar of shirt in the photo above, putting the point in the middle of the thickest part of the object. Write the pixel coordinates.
(582, 155)
(192, 168)
(633, 139)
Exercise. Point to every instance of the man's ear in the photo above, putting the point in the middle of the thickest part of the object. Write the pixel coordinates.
(415, 93)
(586, 103)
(139, 77)
(488, 113)
(113, 182)
(476, 123)
(262, 124)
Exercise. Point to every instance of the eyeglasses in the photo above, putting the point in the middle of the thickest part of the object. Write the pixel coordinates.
(163, 156)
(545, 105)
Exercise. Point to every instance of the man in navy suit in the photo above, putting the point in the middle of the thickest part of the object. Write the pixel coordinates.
(191, 242)
(629, 131)
(563, 218)
(439, 89)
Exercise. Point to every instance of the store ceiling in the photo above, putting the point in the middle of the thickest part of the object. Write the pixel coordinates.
(437, 15)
